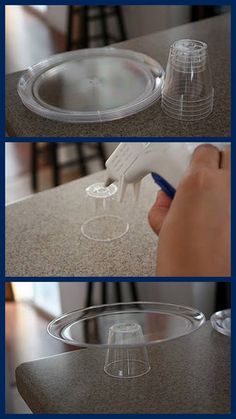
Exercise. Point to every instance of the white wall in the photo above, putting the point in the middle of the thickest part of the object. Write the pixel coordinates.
(73, 295)
(142, 20)
(57, 17)
(200, 295)
(47, 297)
(44, 295)
(23, 291)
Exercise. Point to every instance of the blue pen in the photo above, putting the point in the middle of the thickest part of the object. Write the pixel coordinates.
(164, 185)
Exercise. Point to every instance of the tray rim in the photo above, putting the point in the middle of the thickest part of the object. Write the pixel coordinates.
(147, 303)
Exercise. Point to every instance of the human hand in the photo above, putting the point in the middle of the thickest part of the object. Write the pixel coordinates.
(194, 227)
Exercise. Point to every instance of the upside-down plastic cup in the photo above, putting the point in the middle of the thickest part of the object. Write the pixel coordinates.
(105, 218)
(188, 93)
(127, 357)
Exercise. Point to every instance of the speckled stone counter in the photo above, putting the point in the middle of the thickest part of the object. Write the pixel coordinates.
(43, 236)
(189, 375)
(21, 122)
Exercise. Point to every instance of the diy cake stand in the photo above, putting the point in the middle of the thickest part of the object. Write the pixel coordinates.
(126, 330)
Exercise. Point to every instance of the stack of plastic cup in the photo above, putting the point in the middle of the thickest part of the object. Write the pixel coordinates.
(188, 93)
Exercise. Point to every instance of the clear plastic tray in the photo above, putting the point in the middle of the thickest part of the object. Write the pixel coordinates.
(91, 85)
(158, 321)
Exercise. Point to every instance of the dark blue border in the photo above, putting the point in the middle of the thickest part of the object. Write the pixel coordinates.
(118, 139)
(113, 139)
(123, 2)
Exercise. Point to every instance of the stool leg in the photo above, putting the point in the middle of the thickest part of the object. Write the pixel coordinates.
(121, 23)
(104, 293)
(118, 292)
(69, 29)
(89, 294)
(55, 167)
(84, 26)
(133, 290)
(102, 153)
(102, 12)
(34, 167)
(81, 159)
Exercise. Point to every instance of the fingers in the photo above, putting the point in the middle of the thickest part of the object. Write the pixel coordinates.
(159, 211)
(225, 162)
(205, 156)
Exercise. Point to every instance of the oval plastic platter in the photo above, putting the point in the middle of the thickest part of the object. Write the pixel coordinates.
(159, 322)
(91, 85)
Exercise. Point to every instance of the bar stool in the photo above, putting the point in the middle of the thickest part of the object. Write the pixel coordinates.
(203, 12)
(50, 151)
(103, 295)
(88, 14)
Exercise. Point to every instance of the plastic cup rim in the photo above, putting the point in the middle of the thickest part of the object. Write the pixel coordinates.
(202, 44)
(184, 109)
(189, 118)
(187, 115)
(108, 239)
(187, 105)
(128, 376)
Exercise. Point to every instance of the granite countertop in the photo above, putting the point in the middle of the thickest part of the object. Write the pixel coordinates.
(20, 122)
(43, 236)
(190, 374)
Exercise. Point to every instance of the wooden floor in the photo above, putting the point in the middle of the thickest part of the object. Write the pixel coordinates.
(26, 339)
(28, 38)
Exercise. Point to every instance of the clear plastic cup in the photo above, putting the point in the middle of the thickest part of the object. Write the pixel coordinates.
(126, 361)
(188, 93)
(105, 218)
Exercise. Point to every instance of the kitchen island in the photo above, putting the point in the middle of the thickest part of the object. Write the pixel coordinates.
(190, 374)
(43, 235)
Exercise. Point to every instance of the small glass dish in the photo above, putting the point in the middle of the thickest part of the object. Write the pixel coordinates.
(221, 322)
